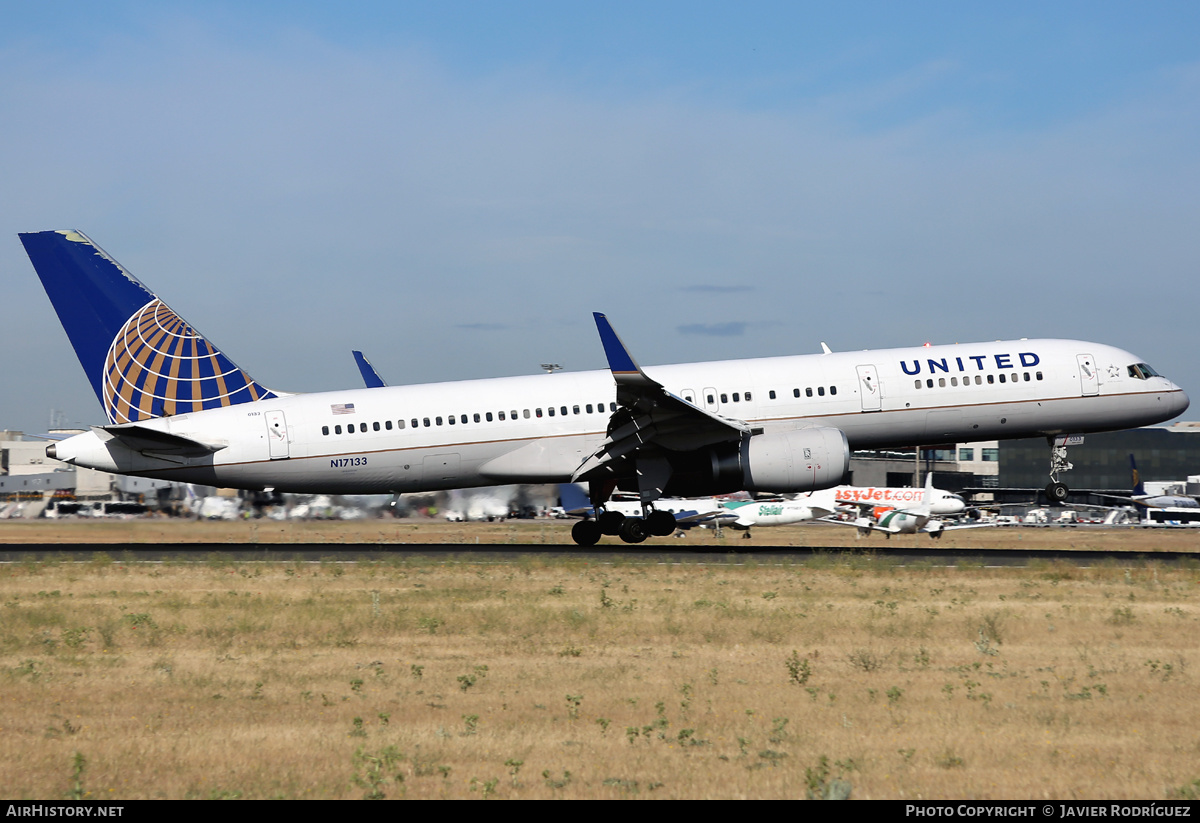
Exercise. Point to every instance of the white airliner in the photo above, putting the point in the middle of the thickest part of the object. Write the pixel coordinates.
(179, 409)
(915, 514)
(894, 497)
(747, 514)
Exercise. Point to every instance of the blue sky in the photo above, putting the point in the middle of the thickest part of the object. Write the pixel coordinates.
(454, 187)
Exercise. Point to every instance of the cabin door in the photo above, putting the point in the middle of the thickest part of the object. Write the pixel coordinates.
(868, 388)
(1089, 381)
(277, 435)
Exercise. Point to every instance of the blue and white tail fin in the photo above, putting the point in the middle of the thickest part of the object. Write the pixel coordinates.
(143, 359)
(1138, 489)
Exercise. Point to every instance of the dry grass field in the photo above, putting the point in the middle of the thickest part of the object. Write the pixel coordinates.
(543, 678)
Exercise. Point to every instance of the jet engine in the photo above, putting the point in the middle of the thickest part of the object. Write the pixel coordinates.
(793, 461)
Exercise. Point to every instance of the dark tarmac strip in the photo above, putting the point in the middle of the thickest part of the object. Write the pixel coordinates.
(348, 552)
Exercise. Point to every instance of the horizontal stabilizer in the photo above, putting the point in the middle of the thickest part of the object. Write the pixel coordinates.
(145, 439)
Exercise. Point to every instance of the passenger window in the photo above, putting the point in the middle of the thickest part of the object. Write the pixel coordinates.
(575, 409)
(953, 381)
(771, 394)
(563, 410)
(736, 397)
(488, 416)
(724, 398)
(941, 382)
(821, 391)
(538, 412)
(387, 425)
(501, 415)
(991, 378)
(929, 383)
(917, 384)
(1039, 375)
(1001, 378)
(362, 427)
(550, 410)
(451, 420)
(438, 420)
(375, 426)
(612, 407)
(527, 414)
(337, 429)
(711, 400)
(978, 380)
(589, 408)
(795, 392)
(324, 430)
(476, 417)
(747, 397)
(1026, 377)
(808, 392)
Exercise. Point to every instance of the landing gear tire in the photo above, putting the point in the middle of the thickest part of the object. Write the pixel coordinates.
(660, 523)
(586, 533)
(610, 523)
(1057, 493)
(633, 530)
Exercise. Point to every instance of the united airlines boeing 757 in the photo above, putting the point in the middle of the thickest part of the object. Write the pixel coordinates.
(179, 409)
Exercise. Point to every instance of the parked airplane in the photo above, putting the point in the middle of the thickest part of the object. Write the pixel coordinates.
(912, 518)
(179, 409)
(885, 497)
(1139, 497)
(750, 513)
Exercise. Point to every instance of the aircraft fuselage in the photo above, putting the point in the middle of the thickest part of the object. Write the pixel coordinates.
(541, 428)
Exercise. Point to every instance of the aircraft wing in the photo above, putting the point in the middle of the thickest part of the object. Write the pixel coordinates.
(649, 416)
(949, 527)
(687, 519)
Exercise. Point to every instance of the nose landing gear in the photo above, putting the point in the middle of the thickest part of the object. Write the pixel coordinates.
(1057, 491)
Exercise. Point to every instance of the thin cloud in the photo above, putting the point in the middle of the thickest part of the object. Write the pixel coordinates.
(709, 288)
(734, 328)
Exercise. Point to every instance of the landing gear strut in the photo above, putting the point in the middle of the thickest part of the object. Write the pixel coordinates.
(1056, 491)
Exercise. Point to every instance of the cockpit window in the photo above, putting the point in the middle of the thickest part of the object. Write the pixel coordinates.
(1142, 371)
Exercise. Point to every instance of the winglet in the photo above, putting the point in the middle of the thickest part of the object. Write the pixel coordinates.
(620, 361)
(370, 377)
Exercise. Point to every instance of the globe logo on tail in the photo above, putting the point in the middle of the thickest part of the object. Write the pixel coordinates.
(158, 366)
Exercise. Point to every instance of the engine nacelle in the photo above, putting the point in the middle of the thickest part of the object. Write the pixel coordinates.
(794, 461)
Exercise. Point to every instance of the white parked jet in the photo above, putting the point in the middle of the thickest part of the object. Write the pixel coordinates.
(179, 409)
(747, 514)
(917, 515)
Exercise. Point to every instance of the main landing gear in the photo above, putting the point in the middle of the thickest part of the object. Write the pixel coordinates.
(1056, 491)
(654, 523)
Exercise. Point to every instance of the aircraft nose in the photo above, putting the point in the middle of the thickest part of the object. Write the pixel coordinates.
(1180, 402)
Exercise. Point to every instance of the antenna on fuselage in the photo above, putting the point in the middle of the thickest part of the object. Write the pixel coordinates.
(551, 368)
